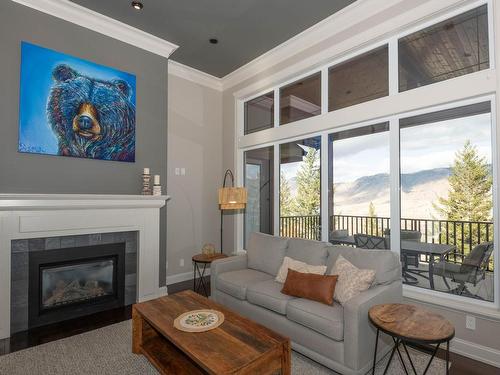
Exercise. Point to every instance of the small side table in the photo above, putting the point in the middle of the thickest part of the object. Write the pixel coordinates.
(410, 324)
(202, 261)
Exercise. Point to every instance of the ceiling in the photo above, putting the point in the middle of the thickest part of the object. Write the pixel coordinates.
(245, 28)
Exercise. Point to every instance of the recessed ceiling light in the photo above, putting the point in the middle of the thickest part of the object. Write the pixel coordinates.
(137, 5)
(213, 40)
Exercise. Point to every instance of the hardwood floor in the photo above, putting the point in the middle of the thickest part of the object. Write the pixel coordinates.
(56, 331)
(459, 365)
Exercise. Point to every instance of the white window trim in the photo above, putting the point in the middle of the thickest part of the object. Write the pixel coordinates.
(468, 89)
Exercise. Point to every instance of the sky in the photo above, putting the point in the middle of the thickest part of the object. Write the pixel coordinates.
(37, 64)
(423, 147)
(434, 145)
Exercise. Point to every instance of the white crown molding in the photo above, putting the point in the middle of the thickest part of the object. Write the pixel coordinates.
(191, 74)
(94, 21)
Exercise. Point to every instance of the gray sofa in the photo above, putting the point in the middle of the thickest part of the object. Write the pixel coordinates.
(339, 337)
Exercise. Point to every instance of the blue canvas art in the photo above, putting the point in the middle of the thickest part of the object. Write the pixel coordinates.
(73, 107)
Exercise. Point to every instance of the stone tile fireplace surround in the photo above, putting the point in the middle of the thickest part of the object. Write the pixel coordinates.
(21, 250)
(40, 222)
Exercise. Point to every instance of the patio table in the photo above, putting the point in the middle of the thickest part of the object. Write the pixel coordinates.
(432, 250)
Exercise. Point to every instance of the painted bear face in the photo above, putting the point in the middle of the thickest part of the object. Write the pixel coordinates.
(91, 118)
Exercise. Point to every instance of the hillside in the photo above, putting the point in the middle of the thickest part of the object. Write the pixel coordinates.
(419, 190)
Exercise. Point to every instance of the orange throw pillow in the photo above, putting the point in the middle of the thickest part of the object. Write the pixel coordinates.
(318, 288)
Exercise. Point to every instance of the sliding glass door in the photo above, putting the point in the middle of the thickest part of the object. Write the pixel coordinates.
(259, 172)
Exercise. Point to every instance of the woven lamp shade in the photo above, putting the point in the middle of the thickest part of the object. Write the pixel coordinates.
(232, 198)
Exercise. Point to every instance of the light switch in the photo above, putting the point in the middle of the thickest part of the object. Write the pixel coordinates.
(183, 171)
(177, 171)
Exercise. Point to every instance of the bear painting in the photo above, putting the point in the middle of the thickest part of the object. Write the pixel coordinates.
(73, 107)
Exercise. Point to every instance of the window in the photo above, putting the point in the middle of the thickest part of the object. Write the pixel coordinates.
(301, 99)
(449, 49)
(359, 80)
(446, 201)
(358, 174)
(259, 113)
(259, 174)
(419, 182)
(300, 189)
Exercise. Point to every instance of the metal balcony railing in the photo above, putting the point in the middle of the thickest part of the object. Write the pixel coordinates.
(464, 235)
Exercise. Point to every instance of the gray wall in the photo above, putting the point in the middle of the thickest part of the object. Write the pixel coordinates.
(29, 173)
(194, 143)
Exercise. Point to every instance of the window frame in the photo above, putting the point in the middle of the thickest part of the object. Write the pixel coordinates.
(434, 97)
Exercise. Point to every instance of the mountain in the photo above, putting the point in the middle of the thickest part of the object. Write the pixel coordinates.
(418, 192)
(409, 181)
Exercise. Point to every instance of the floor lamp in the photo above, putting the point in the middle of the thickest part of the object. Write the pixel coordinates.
(230, 198)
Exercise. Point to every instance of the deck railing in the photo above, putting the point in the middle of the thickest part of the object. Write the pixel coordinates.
(301, 226)
(464, 235)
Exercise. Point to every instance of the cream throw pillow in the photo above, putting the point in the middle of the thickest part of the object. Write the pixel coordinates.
(351, 280)
(298, 266)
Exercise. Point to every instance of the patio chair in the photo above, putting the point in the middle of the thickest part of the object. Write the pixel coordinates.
(471, 271)
(408, 259)
(408, 235)
(366, 241)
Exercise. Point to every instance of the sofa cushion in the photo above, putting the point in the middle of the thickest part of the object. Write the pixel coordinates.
(385, 263)
(308, 251)
(235, 283)
(268, 294)
(265, 253)
(328, 320)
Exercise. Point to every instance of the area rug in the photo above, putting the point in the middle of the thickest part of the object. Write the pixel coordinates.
(107, 351)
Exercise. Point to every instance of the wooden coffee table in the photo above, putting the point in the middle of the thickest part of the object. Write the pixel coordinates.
(411, 324)
(238, 346)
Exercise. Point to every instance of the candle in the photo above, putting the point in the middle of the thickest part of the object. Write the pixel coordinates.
(146, 171)
(157, 179)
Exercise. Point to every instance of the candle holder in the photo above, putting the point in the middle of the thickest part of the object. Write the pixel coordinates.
(146, 182)
(156, 185)
(156, 190)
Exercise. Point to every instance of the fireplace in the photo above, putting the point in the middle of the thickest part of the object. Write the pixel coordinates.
(72, 282)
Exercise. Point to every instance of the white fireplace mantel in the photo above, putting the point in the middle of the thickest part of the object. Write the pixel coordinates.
(27, 216)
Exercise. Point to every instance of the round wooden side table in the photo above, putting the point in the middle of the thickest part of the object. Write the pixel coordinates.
(202, 261)
(411, 324)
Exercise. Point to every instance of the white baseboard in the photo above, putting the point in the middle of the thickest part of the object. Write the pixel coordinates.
(172, 279)
(476, 351)
(162, 291)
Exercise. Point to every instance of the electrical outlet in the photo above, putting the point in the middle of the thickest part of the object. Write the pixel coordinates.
(181, 262)
(470, 322)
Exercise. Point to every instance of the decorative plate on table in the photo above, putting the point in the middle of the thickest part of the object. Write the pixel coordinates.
(199, 320)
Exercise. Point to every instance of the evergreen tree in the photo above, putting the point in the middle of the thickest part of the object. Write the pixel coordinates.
(469, 195)
(286, 201)
(371, 210)
(371, 222)
(309, 184)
